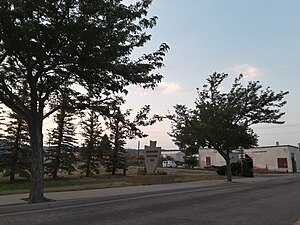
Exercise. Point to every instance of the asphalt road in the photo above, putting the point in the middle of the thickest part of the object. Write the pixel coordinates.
(273, 202)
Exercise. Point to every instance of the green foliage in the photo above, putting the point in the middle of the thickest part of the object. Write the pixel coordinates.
(160, 172)
(92, 151)
(236, 170)
(222, 170)
(60, 154)
(143, 172)
(223, 120)
(15, 136)
(191, 161)
(54, 44)
(122, 128)
(15, 157)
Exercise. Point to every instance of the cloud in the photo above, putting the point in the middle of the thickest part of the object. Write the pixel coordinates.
(250, 72)
(169, 87)
(165, 88)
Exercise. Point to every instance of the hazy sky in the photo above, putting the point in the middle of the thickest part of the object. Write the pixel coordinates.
(259, 38)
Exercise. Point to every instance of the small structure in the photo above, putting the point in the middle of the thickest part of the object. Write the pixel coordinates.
(175, 155)
(152, 156)
(280, 158)
(210, 157)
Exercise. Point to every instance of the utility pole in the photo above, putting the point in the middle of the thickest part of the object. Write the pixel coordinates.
(241, 157)
(138, 150)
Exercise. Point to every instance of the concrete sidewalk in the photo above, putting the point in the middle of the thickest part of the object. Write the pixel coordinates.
(19, 199)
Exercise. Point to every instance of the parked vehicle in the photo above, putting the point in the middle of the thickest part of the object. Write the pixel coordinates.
(168, 164)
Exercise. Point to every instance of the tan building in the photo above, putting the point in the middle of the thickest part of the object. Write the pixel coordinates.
(174, 155)
(281, 158)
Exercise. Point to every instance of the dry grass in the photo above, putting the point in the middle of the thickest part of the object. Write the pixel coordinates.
(187, 175)
(77, 181)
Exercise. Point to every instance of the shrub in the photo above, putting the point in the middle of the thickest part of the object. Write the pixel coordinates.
(222, 170)
(247, 171)
(191, 161)
(236, 170)
(160, 172)
(143, 171)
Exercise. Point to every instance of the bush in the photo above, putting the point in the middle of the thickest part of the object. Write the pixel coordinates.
(190, 161)
(236, 170)
(247, 171)
(222, 170)
(160, 172)
(143, 171)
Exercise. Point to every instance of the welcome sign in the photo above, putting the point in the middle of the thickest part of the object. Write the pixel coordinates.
(152, 156)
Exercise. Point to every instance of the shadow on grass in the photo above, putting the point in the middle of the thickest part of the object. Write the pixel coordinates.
(78, 182)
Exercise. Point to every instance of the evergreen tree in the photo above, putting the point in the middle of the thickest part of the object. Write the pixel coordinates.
(2, 118)
(115, 157)
(105, 145)
(15, 160)
(91, 152)
(88, 43)
(60, 154)
(123, 128)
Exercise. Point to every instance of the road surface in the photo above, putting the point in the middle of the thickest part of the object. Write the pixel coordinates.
(272, 202)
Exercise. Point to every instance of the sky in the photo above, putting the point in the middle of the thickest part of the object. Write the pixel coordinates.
(259, 38)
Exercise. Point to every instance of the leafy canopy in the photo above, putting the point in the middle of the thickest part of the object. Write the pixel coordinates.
(223, 120)
(50, 44)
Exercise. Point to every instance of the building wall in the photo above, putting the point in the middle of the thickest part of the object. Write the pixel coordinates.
(211, 157)
(273, 158)
(175, 155)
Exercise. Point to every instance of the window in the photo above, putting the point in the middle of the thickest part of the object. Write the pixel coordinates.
(282, 162)
(208, 161)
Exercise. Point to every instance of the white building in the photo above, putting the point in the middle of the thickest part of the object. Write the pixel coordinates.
(211, 157)
(281, 158)
(177, 156)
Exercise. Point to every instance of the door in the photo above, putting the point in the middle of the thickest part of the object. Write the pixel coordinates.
(294, 164)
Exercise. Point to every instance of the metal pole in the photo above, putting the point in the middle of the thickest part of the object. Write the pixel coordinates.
(241, 153)
(138, 150)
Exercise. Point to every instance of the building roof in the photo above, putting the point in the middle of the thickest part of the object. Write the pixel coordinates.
(276, 146)
(171, 152)
(260, 147)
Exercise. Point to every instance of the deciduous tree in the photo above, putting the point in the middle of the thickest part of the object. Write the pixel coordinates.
(50, 44)
(223, 120)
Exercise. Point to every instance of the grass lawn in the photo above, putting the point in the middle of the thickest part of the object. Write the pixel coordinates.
(103, 180)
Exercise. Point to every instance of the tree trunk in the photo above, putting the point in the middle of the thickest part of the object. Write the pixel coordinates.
(88, 162)
(228, 165)
(13, 166)
(37, 165)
